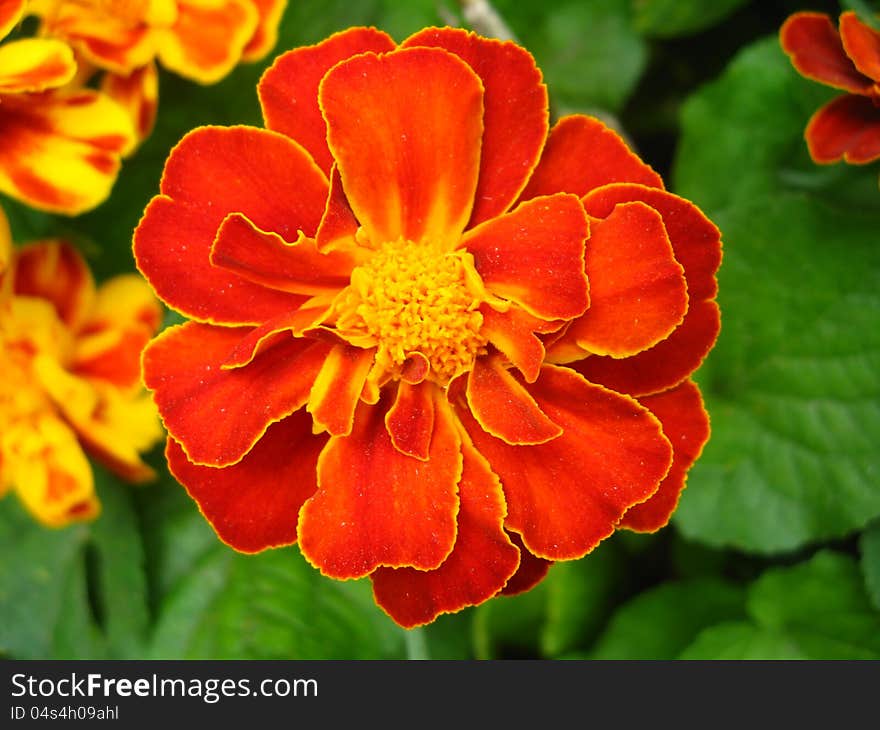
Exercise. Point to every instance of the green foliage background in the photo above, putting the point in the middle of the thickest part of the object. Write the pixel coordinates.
(775, 549)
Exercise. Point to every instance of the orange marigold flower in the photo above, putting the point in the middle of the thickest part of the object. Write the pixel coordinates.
(405, 353)
(70, 358)
(202, 40)
(61, 148)
(848, 127)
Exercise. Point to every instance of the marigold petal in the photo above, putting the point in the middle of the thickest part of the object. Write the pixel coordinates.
(338, 225)
(217, 415)
(56, 272)
(337, 388)
(410, 157)
(61, 150)
(534, 256)
(288, 90)
(116, 425)
(504, 408)
(253, 505)
(207, 40)
(35, 64)
(214, 171)
(479, 565)
(686, 425)
(667, 363)
(266, 259)
(531, 571)
(5, 253)
(515, 119)
(52, 476)
(11, 12)
(138, 94)
(378, 507)
(565, 496)
(862, 44)
(265, 36)
(638, 293)
(583, 154)
(847, 127)
(513, 333)
(410, 421)
(696, 241)
(278, 328)
(816, 51)
(111, 355)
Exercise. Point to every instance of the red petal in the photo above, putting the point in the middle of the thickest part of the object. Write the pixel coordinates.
(54, 270)
(504, 408)
(847, 127)
(212, 172)
(11, 11)
(686, 425)
(376, 506)
(815, 48)
(289, 88)
(582, 154)
(276, 329)
(410, 421)
(338, 386)
(338, 225)
(268, 260)
(515, 118)
(405, 129)
(513, 333)
(862, 44)
(638, 293)
(481, 562)
(218, 415)
(567, 495)
(138, 93)
(207, 39)
(266, 35)
(253, 505)
(531, 571)
(534, 256)
(664, 365)
(696, 241)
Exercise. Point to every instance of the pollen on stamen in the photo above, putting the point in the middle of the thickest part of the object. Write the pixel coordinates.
(415, 298)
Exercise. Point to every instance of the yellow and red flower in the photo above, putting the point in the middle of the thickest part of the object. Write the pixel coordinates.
(70, 358)
(433, 341)
(848, 127)
(202, 40)
(61, 148)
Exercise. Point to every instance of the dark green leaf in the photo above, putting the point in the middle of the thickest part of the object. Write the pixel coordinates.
(870, 549)
(814, 610)
(671, 18)
(661, 622)
(792, 384)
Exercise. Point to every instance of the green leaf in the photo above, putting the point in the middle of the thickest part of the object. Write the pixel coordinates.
(660, 623)
(869, 544)
(792, 384)
(589, 53)
(742, 138)
(35, 574)
(214, 603)
(580, 594)
(508, 627)
(814, 610)
(672, 18)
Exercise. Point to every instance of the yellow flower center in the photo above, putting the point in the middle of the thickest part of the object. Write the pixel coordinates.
(410, 299)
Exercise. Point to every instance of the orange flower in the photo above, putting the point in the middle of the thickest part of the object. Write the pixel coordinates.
(405, 353)
(61, 149)
(71, 379)
(202, 40)
(848, 127)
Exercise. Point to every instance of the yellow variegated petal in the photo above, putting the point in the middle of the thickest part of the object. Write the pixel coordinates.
(35, 64)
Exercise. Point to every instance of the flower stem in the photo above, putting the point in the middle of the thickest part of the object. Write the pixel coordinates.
(416, 646)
